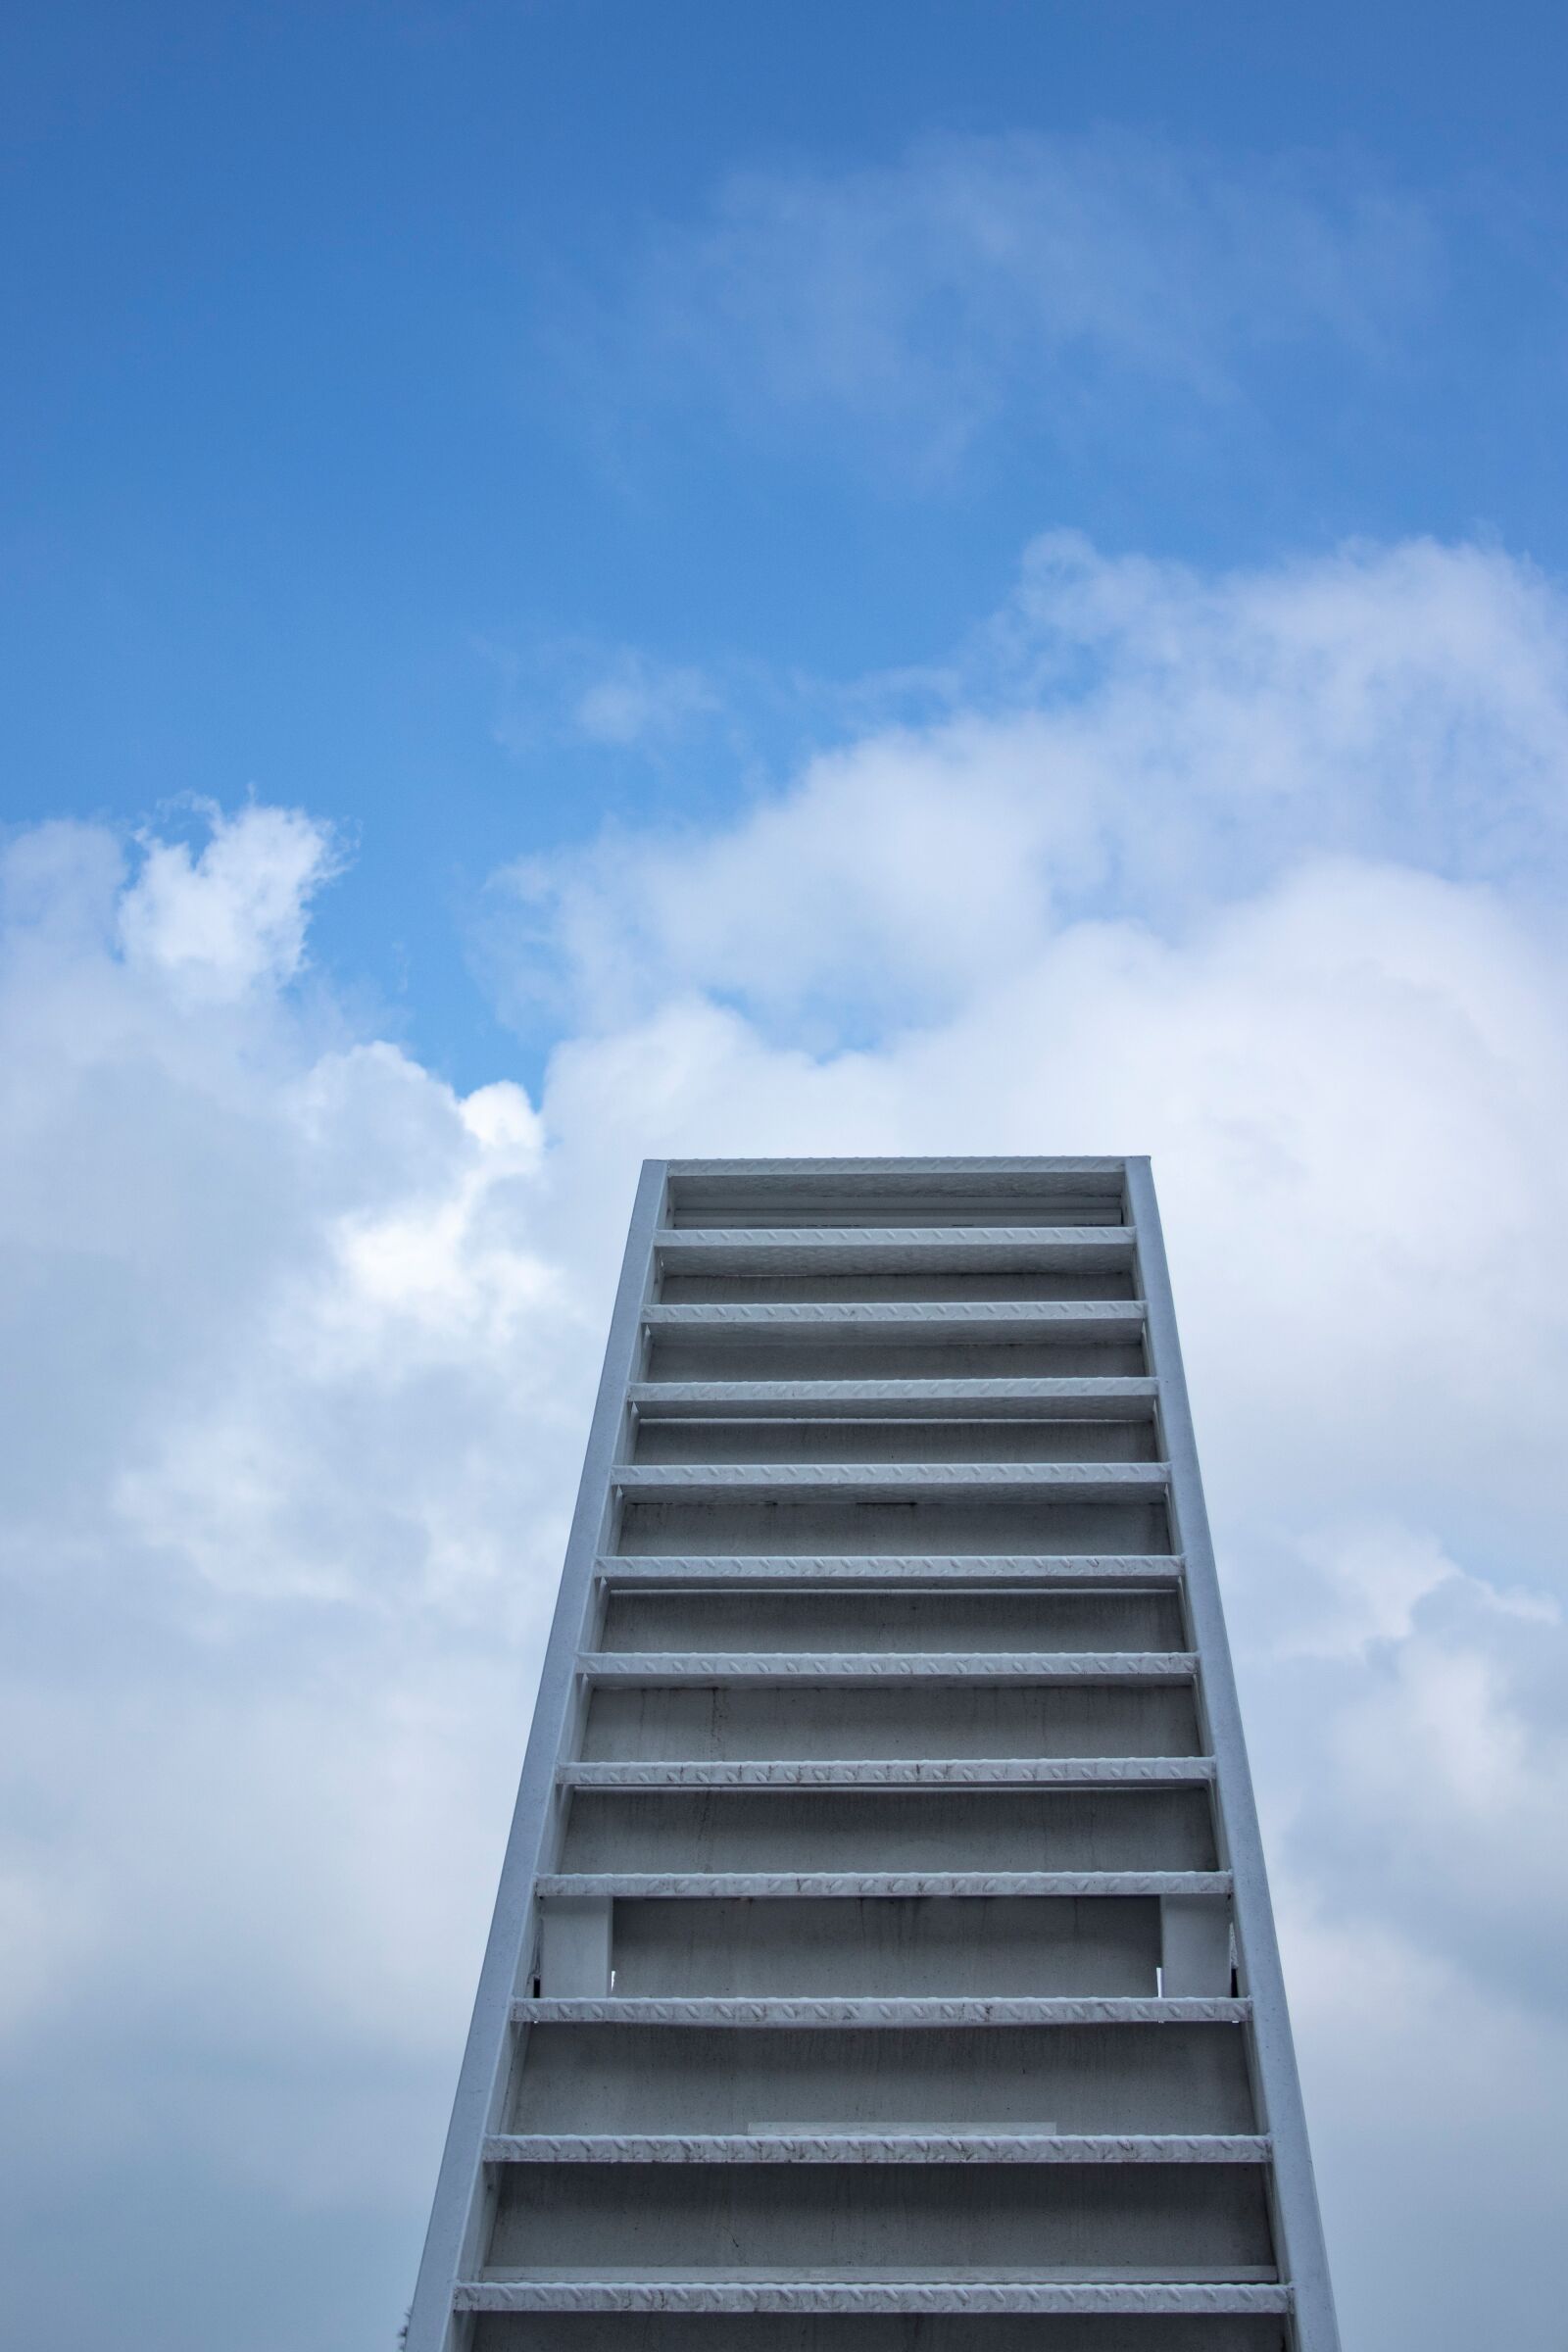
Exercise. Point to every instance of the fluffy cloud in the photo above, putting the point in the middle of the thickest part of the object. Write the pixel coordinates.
(295, 1387)
(1240, 872)
(1126, 739)
(235, 916)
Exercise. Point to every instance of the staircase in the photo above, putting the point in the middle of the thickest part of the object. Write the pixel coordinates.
(883, 1960)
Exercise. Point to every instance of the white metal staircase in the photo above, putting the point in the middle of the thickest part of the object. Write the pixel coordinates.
(883, 1956)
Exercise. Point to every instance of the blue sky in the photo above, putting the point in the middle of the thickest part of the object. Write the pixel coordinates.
(376, 372)
(599, 580)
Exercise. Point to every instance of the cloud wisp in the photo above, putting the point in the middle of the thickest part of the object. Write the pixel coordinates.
(610, 697)
(1028, 272)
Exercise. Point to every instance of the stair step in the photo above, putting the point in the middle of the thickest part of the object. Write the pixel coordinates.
(904, 2012)
(902, 1568)
(1139, 2293)
(963, 1772)
(891, 1249)
(876, 2147)
(715, 1482)
(888, 1666)
(680, 1885)
(1082, 1398)
(1011, 1318)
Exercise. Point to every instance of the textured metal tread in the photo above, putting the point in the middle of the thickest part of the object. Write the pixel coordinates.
(903, 1772)
(901, 2011)
(910, 1249)
(889, 1666)
(875, 2148)
(661, 1480)
(682, 1239)
(940, 1314)
(766, 1884)
(1201, 2298)
(876, 1568)
(1055, 1394)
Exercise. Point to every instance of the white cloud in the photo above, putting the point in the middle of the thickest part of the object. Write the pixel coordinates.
(1368, 1580)
(296, 1390)
(1127, 739)
(309, 1341)
(235, 914)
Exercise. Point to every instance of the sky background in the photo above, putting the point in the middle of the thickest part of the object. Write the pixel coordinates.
(597, 580)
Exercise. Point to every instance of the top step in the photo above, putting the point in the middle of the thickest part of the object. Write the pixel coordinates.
(754, 1194)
